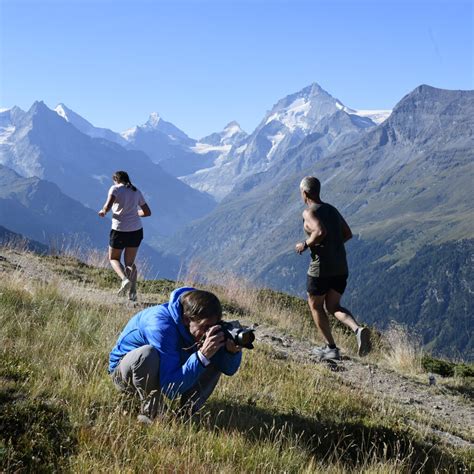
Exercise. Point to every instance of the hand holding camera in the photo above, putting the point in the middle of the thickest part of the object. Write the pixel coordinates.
(229, 334)
(213, 341)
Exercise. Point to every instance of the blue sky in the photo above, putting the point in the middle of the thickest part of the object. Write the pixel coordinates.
(201, 64)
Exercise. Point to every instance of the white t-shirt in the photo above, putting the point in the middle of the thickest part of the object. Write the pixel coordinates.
(125, 216)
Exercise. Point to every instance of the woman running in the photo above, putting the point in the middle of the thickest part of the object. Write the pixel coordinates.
(127, 232)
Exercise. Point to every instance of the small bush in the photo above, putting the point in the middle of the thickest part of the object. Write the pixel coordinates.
(446, 368)
(437, 366)
(464, 370)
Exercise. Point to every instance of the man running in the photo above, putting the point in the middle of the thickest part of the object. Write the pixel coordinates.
(327, 231)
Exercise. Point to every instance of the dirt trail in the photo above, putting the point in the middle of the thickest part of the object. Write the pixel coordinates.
(452, 415)
(414, 397)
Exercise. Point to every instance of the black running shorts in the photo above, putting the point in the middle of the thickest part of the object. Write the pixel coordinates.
(319, 286)
(120, 240)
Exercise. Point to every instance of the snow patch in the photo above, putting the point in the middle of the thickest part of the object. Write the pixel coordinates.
(153, 120)
(203, 148)
(5, 134)
(241, 148)
(377, 116)
(128, 134)
(276, 140)
(232, 130)
(293, 116)
(61, 112)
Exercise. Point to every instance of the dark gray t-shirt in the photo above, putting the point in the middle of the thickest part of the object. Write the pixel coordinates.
(329, 257)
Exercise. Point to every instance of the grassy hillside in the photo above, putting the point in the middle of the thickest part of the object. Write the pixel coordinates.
(59, 411)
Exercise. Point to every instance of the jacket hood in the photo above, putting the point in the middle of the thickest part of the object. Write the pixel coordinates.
(174, 305)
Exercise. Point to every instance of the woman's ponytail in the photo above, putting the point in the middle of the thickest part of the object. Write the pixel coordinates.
(123, 178)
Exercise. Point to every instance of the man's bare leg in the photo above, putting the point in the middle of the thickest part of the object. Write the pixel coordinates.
(320, 317)
(333, 300)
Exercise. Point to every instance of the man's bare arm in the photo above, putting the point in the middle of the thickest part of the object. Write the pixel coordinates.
(316, 227)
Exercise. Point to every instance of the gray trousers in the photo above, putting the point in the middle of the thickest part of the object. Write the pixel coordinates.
(138, 373)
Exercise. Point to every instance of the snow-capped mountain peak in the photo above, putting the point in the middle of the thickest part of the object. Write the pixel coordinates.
(230, 135)
(155, 125)
(85, 126)
(153, 120)
(310, 111)
(294, 115)
(302, 110)
(232, 129)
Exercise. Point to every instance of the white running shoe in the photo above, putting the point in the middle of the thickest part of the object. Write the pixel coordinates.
(124, 287)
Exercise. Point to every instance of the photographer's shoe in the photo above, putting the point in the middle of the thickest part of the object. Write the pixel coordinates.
(326, 353)
(363, 341)
(124, 287)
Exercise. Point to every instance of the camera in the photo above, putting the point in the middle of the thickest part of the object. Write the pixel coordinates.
(241, 335)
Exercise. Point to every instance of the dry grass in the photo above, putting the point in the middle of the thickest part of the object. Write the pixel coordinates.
(403, 350)
(273, 416)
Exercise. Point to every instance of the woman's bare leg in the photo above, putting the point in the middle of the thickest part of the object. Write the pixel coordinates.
(129, 258)
(115, 256)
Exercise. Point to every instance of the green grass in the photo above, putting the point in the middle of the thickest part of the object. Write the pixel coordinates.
(59, 410)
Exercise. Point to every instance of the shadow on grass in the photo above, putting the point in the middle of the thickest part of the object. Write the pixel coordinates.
(466, 390)
(352, 444)
(35, 432)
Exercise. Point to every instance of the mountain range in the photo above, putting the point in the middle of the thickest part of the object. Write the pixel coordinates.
(41, 143)
(311, 112)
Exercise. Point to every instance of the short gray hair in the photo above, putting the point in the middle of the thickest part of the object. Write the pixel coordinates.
(311, 186)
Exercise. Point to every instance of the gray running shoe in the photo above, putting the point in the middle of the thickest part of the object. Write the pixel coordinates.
(124, 287)
(317, 351)
(326, 353)
(144, 419)
(363, 341)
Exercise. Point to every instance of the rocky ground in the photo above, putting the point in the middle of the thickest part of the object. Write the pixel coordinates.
(451, 414)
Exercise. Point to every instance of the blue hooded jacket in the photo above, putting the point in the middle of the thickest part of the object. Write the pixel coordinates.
(162, 327)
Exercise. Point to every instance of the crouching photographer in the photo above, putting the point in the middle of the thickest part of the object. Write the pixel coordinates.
(177, 349)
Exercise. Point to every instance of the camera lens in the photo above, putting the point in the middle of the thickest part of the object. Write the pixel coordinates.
(245, 338)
